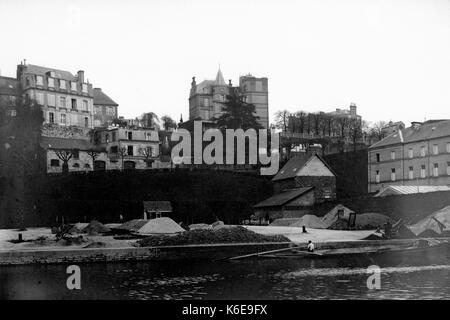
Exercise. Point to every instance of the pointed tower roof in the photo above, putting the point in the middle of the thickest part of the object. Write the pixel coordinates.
(219, 78)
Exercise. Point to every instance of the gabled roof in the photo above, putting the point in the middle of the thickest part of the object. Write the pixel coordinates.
(60, 74)
(67, 144)
(397, 190)
(160, 206)
(428, 130)
(284, 197)
(100, 98)
(9, 86)
(295, 164)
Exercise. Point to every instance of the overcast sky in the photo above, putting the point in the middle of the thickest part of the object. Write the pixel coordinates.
(391, 58)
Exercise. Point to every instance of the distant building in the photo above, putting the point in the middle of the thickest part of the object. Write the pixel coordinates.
(308, 170)
(415, 156)
(66, 99)
(105, 109)
(207, 97)
(9, 93)
(138, 148)
(351, 112)
(392, 127)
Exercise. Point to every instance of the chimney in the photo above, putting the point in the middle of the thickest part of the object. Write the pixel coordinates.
(81, 76)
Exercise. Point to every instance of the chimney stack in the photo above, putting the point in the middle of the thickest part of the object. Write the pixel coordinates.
(416, 125)
(81, 76)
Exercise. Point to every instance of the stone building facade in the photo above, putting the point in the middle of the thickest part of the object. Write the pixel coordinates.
(416, 156)
(207, 97)
(105, 109)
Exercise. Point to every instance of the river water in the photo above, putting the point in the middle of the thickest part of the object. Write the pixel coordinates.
(403, 276)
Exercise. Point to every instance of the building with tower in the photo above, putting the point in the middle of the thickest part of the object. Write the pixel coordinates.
(207, 97)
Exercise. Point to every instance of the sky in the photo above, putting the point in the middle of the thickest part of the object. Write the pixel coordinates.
(391, 58)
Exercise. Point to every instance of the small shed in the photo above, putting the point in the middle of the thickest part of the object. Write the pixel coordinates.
(339, 212)
(155, 209)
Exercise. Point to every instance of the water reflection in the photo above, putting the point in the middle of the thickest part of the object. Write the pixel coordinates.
(402, 277)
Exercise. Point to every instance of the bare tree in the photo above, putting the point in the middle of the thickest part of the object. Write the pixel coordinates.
(64, 156)
(168, 123)
(94, 155)
(376, 130)
(147, 152)
(122, 153)
(282, 120)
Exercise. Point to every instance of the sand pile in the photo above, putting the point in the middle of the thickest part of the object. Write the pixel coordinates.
(224, 235)
(309, 221)
(132, 225)
(95, 227)
(200, 226)
(162, 225)
(284, 222)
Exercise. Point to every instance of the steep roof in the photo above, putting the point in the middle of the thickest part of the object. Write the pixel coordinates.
(219, 79)
(67, 144)
(283, 197)
(396, 190)
(9, 86)
(101, 98)
(295, 164)
(60, 74)
(428, 130)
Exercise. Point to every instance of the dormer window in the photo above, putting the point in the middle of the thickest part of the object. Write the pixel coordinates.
(51, 82)
(84, 87)
(62, 84)
(39, 80)
(73, 86)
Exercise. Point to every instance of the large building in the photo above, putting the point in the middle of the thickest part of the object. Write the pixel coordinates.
(207, 97)
(416, 156)
(105, 109)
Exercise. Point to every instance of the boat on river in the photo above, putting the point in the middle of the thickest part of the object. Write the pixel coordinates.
(296, 252)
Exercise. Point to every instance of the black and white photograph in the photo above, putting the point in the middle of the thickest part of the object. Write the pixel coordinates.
(243, 152)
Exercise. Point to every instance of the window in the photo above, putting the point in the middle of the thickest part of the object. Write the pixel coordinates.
(62, 84)
(106, 138)
(149, 163)
(423, 172)
(85, 105)
(39, 80)
(392, 174)
(51, 82)
(377, 176)
(40, 98)
(378, 157)
(86, 122)
(206, 102)
(76, 153)
(435, 149)
(63, 118)
(392, 155)
(436, 170)
(87, 166)
(448, 168)
(76, 165)
(54, 163)
(110, 111)
(27, 81)
(448, 147)
(113, 136)
(84, 87)
(130, 135)
(51, 117)
(114, 149)
(130, 150)
(148, 136)
(51, 100)
(73, 86)
(422, 151)
(411, 173)
(74, 103)
(62, 102)
(410, 153)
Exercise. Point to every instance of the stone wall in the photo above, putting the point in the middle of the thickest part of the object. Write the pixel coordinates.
(69, 132)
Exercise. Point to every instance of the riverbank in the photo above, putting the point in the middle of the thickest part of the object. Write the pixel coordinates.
(32, 252)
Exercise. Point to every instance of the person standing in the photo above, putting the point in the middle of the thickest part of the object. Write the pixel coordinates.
(310, 246)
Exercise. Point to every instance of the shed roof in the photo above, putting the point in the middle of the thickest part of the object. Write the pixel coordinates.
(160, 206)
(283, 197)
(397, 190)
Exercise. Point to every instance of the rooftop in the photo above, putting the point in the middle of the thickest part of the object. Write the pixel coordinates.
(295, 164)
(9, 86)
(424, 131)
(397, 190)
(101, 98)
(67, 144)
(284, 197)
(60, 74)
